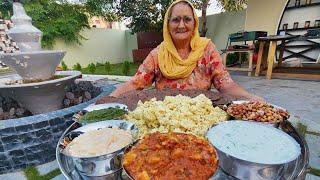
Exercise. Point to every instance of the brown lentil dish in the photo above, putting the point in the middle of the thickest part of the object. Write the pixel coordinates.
(164, 156)
(257, 111)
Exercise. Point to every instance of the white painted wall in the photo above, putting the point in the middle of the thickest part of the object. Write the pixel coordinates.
(264, 15)
(101, 45)
(221, 25)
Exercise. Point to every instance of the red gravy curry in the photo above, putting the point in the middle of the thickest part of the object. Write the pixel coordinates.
(171, 156)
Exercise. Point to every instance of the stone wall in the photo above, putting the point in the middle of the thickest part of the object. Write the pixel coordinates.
(30, 144)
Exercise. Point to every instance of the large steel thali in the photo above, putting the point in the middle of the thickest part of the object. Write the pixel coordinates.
(296, 171)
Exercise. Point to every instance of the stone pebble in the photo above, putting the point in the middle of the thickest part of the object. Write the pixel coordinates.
(80, 93)
(11, 109)
(76, 94)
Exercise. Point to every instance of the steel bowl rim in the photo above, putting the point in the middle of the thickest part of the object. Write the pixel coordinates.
(111, 172)
(266, 122)
(101, 157)
(112, 105)
(246, 101)
(259, 164)
(58, 151)
(105, 156)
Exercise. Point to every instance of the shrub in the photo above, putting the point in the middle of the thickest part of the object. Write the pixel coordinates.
(64, 66)
(99, 64)
(126, 68)
(77, 67)
(92, 68)
(234, 58)
(107, 66)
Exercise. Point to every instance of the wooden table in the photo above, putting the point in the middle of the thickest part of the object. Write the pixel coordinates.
(271, 52)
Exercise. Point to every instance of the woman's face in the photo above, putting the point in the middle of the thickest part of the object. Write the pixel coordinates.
(181, 22)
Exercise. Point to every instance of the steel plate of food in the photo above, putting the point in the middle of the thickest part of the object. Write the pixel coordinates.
(176, 114)
(257, 111)
(171, 156)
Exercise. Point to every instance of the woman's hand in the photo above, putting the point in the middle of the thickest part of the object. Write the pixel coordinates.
(114, 94)
(253, 97)
(123, 88)
(234, 91)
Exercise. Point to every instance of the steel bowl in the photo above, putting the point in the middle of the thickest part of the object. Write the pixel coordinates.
(274, 124)
(107, 166)
(243, 169)
(129, 177)
(94, 107)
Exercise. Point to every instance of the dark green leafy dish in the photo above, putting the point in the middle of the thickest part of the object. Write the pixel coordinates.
(103, 114)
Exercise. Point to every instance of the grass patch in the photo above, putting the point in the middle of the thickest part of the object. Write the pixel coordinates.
(315, 171)
(33, 174)
(302, 129)
(5, 70)
(115, 69)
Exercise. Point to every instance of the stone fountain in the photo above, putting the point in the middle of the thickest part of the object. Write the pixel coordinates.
(29, 141)
(42, 93)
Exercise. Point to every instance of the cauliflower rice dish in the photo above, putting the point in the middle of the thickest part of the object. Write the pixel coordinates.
(176, 114)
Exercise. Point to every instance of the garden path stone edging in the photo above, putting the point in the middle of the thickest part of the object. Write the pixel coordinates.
(32, 140)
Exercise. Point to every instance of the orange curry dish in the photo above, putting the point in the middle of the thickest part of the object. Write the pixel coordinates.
(171, 156)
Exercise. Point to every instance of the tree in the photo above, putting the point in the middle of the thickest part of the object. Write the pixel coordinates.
(102, 8)
(204, 7)
(55, 20)
(233, 5)
(146, 16)
(227, 5)
(4, 8)
(59, 19)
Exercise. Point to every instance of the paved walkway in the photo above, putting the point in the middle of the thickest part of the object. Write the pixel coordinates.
(301, 98)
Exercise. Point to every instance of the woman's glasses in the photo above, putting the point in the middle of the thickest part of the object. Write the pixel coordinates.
(177, 19)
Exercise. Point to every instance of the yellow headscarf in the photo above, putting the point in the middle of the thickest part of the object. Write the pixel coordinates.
(171, 64)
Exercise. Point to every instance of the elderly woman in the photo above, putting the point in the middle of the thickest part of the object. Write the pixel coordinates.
(184, 60)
